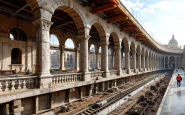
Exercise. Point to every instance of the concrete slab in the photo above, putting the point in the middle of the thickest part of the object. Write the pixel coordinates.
(174, 98)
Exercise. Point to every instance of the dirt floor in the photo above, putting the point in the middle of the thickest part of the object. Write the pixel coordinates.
(82, 104)
(133, 106)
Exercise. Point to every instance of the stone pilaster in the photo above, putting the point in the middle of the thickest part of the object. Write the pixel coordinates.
(43, 52)
(62, 67)
(91, 89)
(17, 107)
(175, 62)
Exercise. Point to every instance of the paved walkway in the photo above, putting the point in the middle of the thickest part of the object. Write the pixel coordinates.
(174, 100)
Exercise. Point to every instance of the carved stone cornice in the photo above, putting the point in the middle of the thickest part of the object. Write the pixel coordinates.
(43, 24)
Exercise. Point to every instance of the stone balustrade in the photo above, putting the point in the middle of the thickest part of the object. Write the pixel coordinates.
(66, 78)
(96, 74)
(132, 70)
(17, 83)
(124, 71)
(114, 72)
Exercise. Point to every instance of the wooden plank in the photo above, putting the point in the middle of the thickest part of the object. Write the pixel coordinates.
(117, 18)
(103, 8)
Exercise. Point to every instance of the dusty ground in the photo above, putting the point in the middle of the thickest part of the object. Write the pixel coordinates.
(131, 103)
(77, 106)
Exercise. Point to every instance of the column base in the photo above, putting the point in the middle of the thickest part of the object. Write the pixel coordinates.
(44, 82)
(106, 74)
(86, 76)
(128, 71)
(119, 72)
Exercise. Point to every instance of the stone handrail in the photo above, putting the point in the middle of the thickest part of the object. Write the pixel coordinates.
(124, 71)
(66, 78)
(96, 74)
(17, 83)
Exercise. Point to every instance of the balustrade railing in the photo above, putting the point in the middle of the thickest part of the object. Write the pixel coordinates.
(66, 78)
(114, 72)
(18, 83)
(132, 70)
(96, 74)
(124, 71)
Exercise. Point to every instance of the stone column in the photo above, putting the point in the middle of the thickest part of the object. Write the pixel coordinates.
(113, 60)
(143, 61)
(139, 61)
(147, 63)
(118, 59)
(62, 67)
(134, 60)
(43, 52)
(91, 89)
(77, 59)
(97, 59)
(84, 57)
(122, 66)
(104, 56)
(179, 62)
(175, 62)
(127, 60)
(164, 62)
(168, 62)
(17, 107)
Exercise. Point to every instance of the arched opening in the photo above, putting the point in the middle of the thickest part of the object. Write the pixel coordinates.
(54, 52)
(69, 55)
(172, 62)
(124, 48)
(17, 34)
(68, 22)
(92, 57)
(16, 56)
(97, 32)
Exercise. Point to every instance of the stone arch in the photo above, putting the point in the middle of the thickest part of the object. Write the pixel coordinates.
(115, 37)
(99, 28)
(72, 11)
(21, 30)
(125, 43)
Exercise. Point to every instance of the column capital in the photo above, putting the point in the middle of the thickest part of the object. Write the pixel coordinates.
(117, 47)
(104, 43)
(62, 47)
(83, 37)
(43, 23)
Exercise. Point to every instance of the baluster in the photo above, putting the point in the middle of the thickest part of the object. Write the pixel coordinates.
(6, 85)
(1, 86)
(19, 84)
(70, 78)
(56, 80)
(62, 78)
(59, 79)
(13, 85)
(76, 77)
(24, 84)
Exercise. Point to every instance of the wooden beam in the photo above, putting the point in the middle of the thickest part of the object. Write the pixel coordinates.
(19, 10)
(128, 28)
(135, 34)
(103, 8)
(117, 18)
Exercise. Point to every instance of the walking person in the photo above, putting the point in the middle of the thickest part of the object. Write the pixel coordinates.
(179, 79)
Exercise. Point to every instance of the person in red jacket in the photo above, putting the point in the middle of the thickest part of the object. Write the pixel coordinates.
(179, 79)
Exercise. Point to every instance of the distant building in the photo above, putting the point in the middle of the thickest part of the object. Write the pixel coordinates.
(173, 44)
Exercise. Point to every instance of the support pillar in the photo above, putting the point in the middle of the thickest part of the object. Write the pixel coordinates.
(127, 60)
(168, 62)
(43, 52)
(118, 59)
(84, 59)
(143, 61)
(77, 59)
(175, 62)
(97, 59)
(17, 107)
(134, 60)
(91, 89)
(139, 61)
(62, 67)
(104, 56)
(164, 63)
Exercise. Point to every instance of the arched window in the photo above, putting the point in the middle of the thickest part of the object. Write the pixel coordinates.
(16, 56)
(69, 43)
(17, 34)
(92, 49)
(53, 40)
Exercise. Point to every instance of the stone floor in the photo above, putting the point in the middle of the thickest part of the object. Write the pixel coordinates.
(174, 103)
